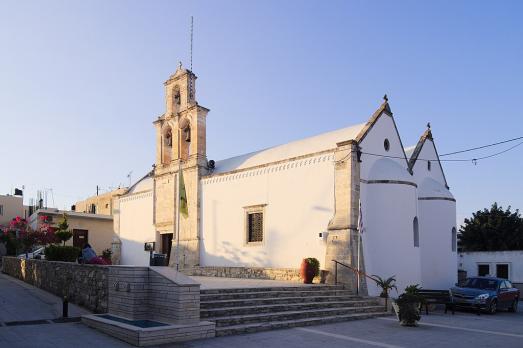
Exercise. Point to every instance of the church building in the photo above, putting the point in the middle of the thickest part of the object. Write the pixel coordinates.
(313, 197)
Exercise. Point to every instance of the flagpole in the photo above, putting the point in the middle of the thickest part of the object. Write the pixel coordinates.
(178, 214)
(359, 247)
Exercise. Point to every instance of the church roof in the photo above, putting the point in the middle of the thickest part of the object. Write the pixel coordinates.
(146, 183)
(315, 144)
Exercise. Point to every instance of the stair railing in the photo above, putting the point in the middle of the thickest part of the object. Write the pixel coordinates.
(355, 270)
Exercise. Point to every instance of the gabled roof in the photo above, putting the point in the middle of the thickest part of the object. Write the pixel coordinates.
(319, 143)
(311, 145)
(383, 109)
(417, 150)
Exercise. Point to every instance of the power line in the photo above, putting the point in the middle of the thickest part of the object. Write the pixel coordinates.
(449, 160)
(481, 147)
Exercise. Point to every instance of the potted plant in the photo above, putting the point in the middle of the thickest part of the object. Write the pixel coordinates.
(407, 306)
(106, 255)
(310, 268)
(386, 285)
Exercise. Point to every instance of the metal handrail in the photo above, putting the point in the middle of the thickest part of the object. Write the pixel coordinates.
(357, 271)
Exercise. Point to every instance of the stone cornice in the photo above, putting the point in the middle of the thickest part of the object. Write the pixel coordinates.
(436, 199)
(265, 168)
(398, 182)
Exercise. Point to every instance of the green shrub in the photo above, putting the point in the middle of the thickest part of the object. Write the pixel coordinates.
(62, 253)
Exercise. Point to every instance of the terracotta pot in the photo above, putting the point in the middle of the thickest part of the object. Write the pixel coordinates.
(307, 272)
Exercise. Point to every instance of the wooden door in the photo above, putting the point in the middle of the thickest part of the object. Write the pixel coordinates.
(167, 241)
(80, 238)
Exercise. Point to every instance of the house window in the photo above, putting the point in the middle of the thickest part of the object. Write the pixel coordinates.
(502, 270)
(429, 165)
(483, 270)
(1, 209)
(415, 228)
(454, 239)
(386, 145)
(254, 216)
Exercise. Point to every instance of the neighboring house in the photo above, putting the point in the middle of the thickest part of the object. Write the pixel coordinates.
(274, 207)
(502, 264)
(95, 229)
(11, 207)
(99, 204)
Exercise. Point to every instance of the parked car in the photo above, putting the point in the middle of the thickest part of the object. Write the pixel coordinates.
(37, 253)
(487, 294)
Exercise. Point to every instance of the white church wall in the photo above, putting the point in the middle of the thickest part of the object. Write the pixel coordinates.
(421, 171)
(136, 227)
(388, 238)
(437, 217)
(374, 143)
(438, 260)
(299, 204)
(388, 209)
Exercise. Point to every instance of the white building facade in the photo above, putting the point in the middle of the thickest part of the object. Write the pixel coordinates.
(502, 264)
(272, 208)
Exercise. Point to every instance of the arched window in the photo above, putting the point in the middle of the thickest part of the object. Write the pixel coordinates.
(415, 230)
(176, 96)
(167, 147)
(454, 238)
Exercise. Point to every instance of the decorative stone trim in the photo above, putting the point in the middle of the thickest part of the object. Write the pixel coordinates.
(267, 168)
(135, 196)
(437, 199)
(398, 182)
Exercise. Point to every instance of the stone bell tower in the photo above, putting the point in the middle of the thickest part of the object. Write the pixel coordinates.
(180, 144)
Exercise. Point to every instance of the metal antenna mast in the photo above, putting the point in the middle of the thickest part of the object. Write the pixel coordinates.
(190, 51)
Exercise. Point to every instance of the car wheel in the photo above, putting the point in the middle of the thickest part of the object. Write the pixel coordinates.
(514, 307)
(493, 307)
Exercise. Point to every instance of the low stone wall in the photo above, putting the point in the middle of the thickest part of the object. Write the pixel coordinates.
(155, 293)
(288, 274)
(84, 285)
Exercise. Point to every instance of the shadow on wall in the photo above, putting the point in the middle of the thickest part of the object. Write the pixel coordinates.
(231, 255)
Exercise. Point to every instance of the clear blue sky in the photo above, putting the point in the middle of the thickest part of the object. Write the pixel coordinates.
(82, 81)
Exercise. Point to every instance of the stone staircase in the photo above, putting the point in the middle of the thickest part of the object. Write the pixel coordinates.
(246, 310)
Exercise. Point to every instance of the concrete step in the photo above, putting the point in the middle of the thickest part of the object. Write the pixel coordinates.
(271, 325)
(312, 287)
(282, 307)
(204, 304)
(295, 292)
(290, 315)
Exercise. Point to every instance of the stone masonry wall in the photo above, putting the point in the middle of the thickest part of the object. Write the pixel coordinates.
(84, 285)
(289, 274)
(157, 293)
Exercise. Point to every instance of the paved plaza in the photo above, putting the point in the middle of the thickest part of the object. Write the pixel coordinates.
(20, 302)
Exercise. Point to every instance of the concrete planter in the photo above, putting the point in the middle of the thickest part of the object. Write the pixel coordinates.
(411, 307)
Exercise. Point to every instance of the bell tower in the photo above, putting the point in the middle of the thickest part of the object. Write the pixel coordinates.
(180, 145)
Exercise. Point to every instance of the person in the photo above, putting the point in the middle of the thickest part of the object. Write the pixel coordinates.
(88, 253)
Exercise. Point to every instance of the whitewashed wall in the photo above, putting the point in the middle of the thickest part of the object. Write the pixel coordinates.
(469, 261)
(437, 217)
(438, 261)
(136, 227)
(388, 210)
(299, 198)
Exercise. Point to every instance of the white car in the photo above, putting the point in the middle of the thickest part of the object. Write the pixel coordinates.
(37, 253)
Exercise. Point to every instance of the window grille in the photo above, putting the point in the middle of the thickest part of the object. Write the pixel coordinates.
(255, 227)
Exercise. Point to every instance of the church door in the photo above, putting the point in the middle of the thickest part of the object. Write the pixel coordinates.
(167, 241)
